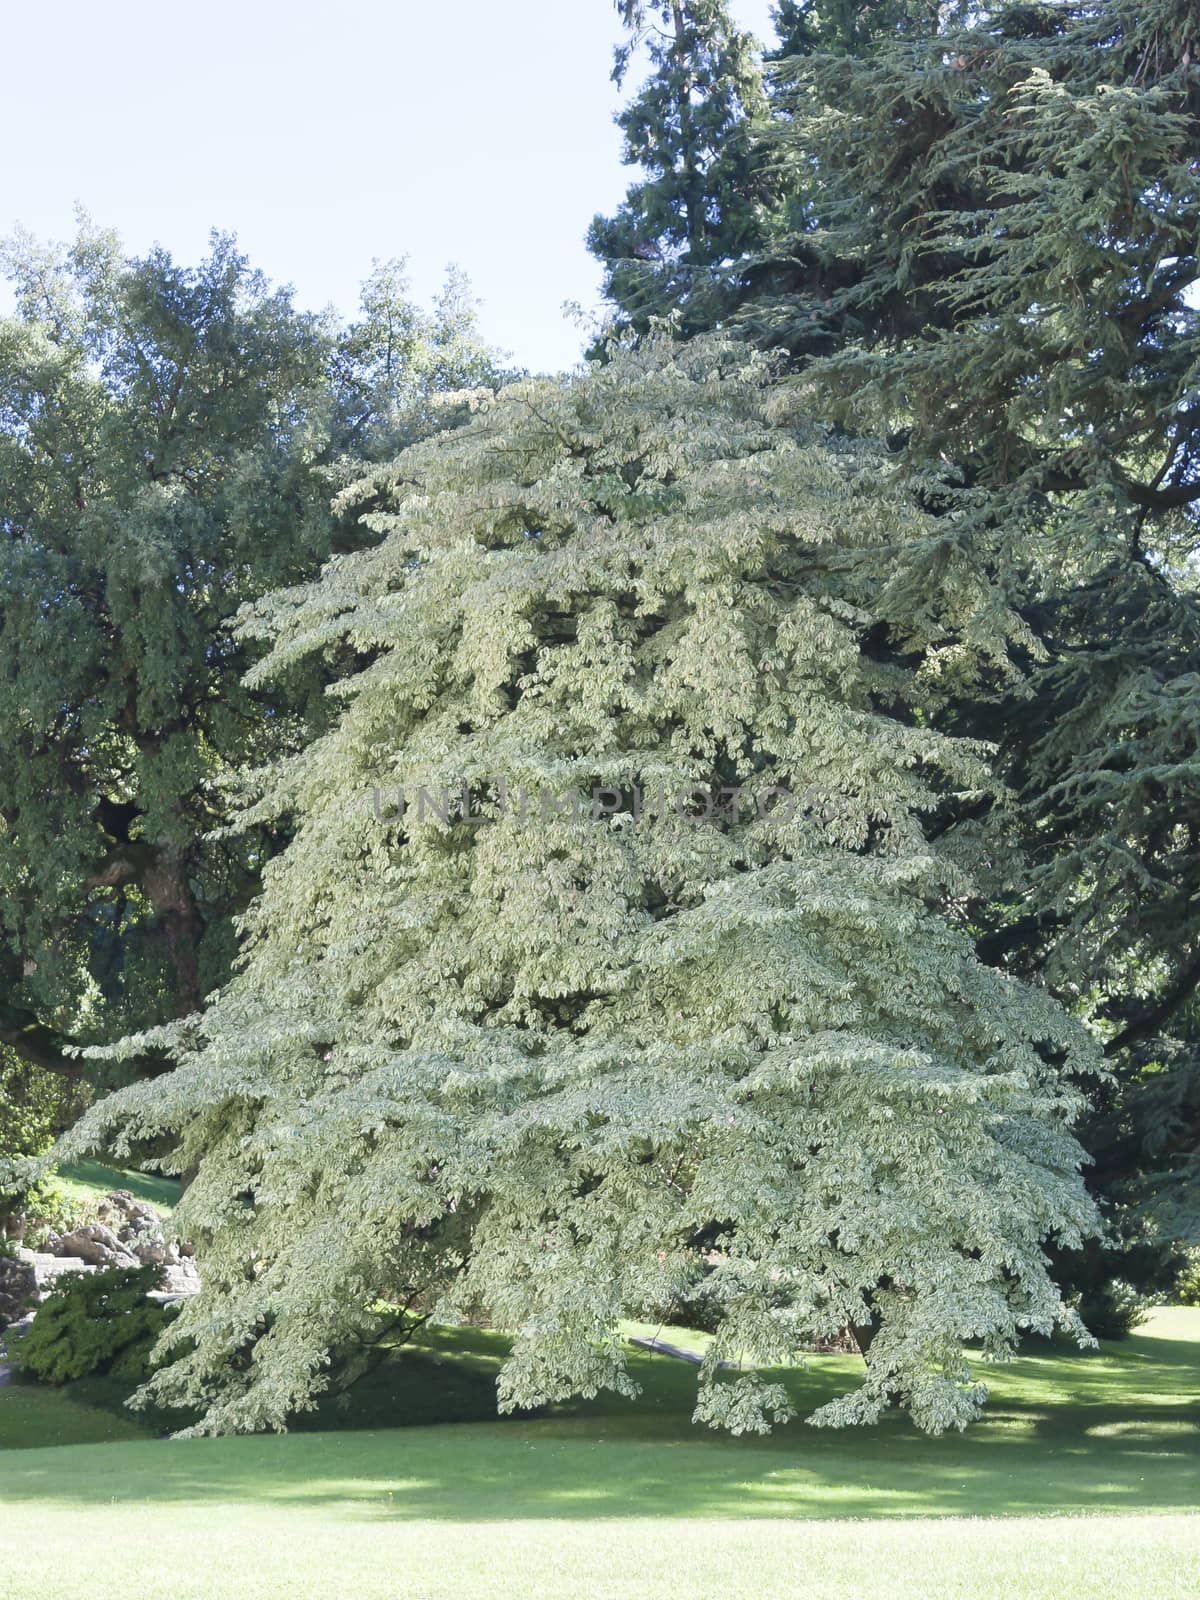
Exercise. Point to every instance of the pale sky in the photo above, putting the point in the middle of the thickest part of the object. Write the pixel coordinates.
(326, 135)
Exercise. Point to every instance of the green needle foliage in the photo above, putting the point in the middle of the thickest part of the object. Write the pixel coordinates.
(1010, 214)
(690, 130)
(555, 1058)
(727, 215)
(96, 1322)
(977, 233)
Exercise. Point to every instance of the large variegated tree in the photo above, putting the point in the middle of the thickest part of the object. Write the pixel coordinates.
(611, 947)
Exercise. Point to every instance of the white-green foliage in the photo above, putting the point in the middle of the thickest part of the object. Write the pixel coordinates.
(557, 1068)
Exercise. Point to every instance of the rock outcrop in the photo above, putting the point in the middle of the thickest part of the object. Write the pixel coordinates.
(128, 1233)
(94, 1244)
(18, 1286)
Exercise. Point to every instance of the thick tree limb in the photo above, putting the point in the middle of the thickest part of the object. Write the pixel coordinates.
(1163, 1009)
(37, 1042)
(41, 1046)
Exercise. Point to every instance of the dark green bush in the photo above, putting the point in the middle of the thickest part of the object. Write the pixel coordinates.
(1187, 1285)
(1113, 1310)
(1114, 1282)
(96, 1322)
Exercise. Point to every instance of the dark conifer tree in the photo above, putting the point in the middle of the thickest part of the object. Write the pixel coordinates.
(690, 129)
(1011, 208)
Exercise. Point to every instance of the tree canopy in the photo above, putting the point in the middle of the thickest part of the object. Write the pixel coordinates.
(1014, 202)
(170, 440)
(702, 824)
(611, 947)
(689, 129)
(980, 243)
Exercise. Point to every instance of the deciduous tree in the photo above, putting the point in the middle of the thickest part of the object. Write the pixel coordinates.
(170, 440)
(611, 944)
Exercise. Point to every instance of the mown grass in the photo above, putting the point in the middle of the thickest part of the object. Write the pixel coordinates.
(1078, 1460)
(270, 1549)
(1112, 1430)
(84, 1183)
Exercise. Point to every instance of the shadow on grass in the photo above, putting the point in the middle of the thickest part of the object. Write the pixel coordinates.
(1118, 1431)
(93, 1180)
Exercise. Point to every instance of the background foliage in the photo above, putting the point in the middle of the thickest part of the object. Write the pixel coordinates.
(979, 242)
(170, 439)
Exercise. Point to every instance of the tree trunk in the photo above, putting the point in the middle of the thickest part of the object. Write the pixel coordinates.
(693, 199)
(165, 881)
(863, 1334)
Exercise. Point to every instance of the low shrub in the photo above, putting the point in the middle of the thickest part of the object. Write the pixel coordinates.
(1187, 1285)
(96, 1322)
(1113, 1310)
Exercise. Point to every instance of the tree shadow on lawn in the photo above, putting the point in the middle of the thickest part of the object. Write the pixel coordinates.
(93, 1180)
(1117, 1431)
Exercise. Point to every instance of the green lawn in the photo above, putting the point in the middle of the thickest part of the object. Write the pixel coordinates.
(86, 1182)
(1086, 1467)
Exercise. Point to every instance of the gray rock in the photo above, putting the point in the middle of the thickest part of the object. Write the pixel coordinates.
(18, 1286)
(136, 1214)
(129, 1234)
(47, 1269)
(95, 1244)
(182, 1279)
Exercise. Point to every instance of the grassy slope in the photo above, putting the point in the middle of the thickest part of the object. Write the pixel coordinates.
(615, 1500)
(86, 1182)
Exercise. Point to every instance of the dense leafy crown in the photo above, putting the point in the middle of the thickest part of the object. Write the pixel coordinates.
(170, 438)
(555, 1064)
(156, 453)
